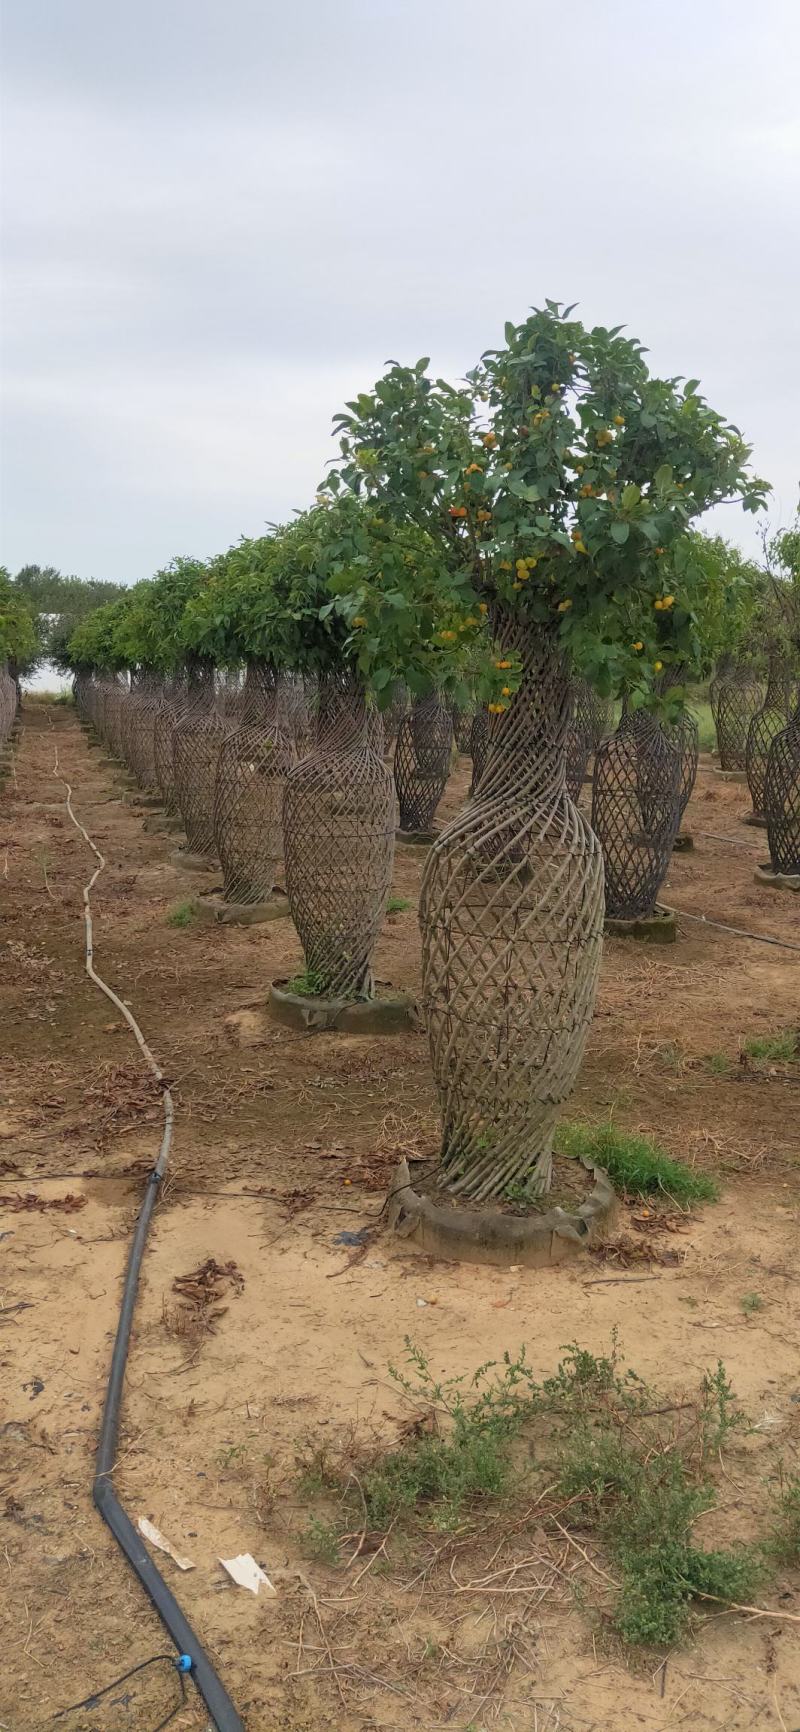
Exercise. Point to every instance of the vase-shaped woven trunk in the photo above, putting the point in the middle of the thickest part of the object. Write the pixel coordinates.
(196, 741)
(338, 827)
(478, 746)
(8, 703)
(422, 761)
(737, 697)
(462, 726)
(142, 708)
(396, 709)
(511, 912)
(768, 721)
(168, 715)
(111, 713)
(636, 812)
(782, 798)
(254, 761)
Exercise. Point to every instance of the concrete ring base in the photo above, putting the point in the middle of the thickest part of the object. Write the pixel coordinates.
(489, 1236)
(756, 820)
(729, 775)
(217, 911)
(416, 838)
(684, 843)
(350, 1016)
(190, 862)
(656, 928)
(776, 880)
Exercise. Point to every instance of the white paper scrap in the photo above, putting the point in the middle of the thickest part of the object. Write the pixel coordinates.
(156, 1538)
(246, 1573)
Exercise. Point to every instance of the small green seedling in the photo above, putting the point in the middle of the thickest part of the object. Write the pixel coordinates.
(750, 1303)
(183, 914)
(397, 904)
(781, 1047)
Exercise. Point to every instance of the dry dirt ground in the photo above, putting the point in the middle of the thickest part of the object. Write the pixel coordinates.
(283, 1142)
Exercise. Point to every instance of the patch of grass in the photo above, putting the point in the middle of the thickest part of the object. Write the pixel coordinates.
(774, 1046)
(719, 1064)
(636, 1165)
(701, 710)
(398, 904)
(321, 1541)
(636, 1477)
(784, 1541)
(308, 984)
(750, 1303)
(183, 914)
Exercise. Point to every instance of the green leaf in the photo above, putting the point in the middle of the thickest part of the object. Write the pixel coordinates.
(620, 533)
(663, 475)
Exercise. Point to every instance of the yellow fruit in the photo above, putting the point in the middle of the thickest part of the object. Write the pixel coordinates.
(619, 420)
(637, 646)
(483, 516)
(505, 565)
(447, 636)
(490, 438)
(474, 469)
(470, 619)
(523, 576)
(505, 663)
(669, 601)
(657, 666)
(359, 619)
(506, 691)
(658, 606)
(580, 547)
(483, 607)
(564, 606)
(516, 586)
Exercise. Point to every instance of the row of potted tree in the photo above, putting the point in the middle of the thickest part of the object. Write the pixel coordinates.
(487, 544)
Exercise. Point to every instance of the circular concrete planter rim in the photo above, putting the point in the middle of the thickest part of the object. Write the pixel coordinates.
(656, 928)
(355, 1016)
(213, 907)
(756, 820)
(729, 775)
(773, 880)
(488, 1236)
(189, 862)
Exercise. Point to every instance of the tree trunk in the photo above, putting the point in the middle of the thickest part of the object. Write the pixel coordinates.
(338, 825)
(253, 764)
(636, 812)
(196, 743)
(422, 761)
(782, 798)
(511, 912)
(770, 720)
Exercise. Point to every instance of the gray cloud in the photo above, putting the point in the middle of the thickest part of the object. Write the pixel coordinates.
(220, 219)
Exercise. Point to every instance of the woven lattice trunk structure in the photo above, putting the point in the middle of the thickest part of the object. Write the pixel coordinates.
(770, 720)
(422, 761)
(478, 746)
(511, 912)
(168, 714)
(8, 703)
(196, 741)
(782, 798)
(462, 726)
(338, 826)
(254, 761)
(112, 699)
(138, 734)
(683, 736)
(737, 697)
(396, 709)
(636, 812)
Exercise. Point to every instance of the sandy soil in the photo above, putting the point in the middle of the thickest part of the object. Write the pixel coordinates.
(282, 1143)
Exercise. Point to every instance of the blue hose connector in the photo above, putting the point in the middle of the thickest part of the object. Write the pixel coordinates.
(184, 1662)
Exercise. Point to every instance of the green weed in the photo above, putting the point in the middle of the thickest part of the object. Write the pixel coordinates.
(784, 1541)
(750, 1303)
(780, 1047)
(719, 1064)
(398, 904)
(183, 914)
(636, 1165)
(321, 1541)
(308, 984)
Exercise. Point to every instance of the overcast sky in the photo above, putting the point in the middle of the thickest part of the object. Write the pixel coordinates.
(221, 217)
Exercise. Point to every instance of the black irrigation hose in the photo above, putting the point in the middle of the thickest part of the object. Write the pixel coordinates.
(223, 1713)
